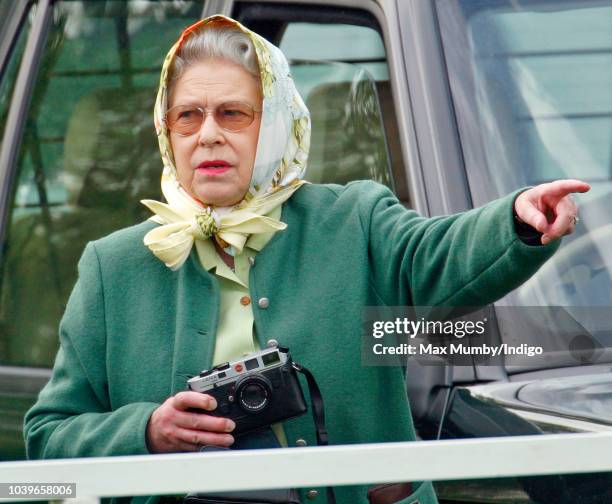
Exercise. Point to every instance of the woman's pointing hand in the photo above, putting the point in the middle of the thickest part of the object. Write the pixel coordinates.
(549, 208)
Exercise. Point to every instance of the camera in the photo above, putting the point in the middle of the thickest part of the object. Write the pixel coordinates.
(255, 391)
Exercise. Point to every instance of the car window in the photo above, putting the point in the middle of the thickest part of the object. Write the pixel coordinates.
(89, 154)
(533, 105)
(337, 78)
(340, 69)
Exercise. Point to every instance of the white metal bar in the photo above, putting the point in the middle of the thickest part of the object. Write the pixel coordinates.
(322, 466)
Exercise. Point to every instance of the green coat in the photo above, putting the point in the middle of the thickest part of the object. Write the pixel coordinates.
(134, 330)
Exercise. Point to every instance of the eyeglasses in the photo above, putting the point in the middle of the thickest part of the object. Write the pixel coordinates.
(232, 116)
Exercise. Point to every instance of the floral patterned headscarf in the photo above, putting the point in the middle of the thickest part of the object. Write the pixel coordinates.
(280, 162)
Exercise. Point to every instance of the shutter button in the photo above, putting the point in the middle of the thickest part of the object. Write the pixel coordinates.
(301, 442)
(264, 302)
(312, 494)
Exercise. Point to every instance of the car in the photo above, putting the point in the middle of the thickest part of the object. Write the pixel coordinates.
(450, 103)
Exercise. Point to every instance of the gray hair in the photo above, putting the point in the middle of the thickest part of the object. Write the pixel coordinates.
(214, 42)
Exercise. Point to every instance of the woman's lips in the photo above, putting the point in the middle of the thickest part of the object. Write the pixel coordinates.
(213, 167)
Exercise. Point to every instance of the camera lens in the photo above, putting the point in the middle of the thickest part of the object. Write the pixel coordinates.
(253, 393)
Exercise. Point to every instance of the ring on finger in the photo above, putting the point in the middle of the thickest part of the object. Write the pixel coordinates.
(574, 219)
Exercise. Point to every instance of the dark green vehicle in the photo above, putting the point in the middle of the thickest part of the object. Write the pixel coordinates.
(451, 103)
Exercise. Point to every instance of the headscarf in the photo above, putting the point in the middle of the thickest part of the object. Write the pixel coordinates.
(280, 162)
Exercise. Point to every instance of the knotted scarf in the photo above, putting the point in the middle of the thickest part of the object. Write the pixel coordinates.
(280, 162)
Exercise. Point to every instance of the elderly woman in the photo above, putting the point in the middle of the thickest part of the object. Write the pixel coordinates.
(244, 251)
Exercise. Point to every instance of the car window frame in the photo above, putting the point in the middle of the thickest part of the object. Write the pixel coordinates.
(9, 34)
(20, 102)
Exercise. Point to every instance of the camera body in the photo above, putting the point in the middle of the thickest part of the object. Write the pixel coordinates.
(255, 391)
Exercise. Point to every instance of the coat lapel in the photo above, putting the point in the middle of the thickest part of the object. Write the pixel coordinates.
(197, 317)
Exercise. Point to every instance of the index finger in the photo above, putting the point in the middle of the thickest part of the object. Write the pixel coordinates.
(560, 188)
(190, 399)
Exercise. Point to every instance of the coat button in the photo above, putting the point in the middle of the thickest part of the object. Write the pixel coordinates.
(271, 343)
(312, 494)
(252, 261)
(245, 300)
(264, 302)
(301, 442)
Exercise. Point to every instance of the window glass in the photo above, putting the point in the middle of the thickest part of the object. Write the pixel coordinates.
(532, 91)
(341, 71)
(531, 83)
(338, 62)
(359, 45)
(88, 155)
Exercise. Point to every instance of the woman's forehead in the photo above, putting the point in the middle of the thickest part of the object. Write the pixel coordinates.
(216, 81)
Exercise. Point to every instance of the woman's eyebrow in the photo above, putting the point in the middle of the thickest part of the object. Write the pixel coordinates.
(182, 103)
(198, 103)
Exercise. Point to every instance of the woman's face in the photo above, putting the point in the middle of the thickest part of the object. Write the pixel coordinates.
(208, 84)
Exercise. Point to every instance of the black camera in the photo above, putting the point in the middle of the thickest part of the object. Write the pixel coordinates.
(255, 391)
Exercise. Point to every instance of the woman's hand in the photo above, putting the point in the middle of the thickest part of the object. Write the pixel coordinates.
(173, 428)
(549, 208)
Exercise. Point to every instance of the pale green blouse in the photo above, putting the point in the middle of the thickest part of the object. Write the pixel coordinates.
(235, 332)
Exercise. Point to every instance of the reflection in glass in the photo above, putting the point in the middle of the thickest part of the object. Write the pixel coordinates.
(348, 138)
(531, 86)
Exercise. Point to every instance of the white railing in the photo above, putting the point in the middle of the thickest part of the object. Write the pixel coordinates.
(321, 466)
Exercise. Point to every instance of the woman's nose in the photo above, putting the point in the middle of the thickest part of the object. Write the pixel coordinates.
(210, 132)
